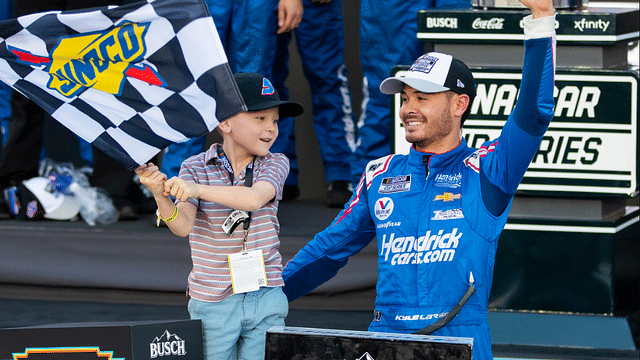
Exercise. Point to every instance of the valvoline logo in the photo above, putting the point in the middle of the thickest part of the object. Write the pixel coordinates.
(99, 60)
(383, 208)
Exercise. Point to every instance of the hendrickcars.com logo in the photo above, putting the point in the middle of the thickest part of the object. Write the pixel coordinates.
(61, 353)
(99, 60)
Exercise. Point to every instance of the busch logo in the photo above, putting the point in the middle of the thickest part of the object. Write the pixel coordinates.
(426, 249)
(491, 24)
(451, 23)
(168, 344)
(365, 356)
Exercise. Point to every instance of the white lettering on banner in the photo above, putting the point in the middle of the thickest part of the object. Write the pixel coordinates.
(426, 249)
(576, 101)
(491, 24)
(451, 23)
(591, 24)
(500, 100)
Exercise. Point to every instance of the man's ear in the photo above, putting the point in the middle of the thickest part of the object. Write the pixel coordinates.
(461, 104)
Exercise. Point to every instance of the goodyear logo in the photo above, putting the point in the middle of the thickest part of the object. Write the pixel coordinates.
(100, 60)
(447, 197)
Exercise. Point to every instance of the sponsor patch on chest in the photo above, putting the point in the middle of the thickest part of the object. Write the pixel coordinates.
(396, 184)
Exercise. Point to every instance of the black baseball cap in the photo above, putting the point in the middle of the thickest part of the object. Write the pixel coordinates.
(259, 94)
(432, 73)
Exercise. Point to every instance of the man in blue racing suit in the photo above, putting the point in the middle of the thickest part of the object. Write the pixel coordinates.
(437, 213)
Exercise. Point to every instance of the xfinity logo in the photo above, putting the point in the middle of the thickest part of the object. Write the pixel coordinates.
(491, 24)
(451, 23)
(589, 24)
(166, 345)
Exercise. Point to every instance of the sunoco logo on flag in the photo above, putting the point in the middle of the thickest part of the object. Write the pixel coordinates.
(130, 80)
(100, 60)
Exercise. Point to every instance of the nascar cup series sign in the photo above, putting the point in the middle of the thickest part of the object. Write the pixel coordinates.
(591, 146)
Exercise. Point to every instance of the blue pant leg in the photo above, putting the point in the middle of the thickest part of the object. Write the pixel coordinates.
(263, 309)
(320, 42)
(176, 153)
(252, 39)
(286, 141)
(221, 325)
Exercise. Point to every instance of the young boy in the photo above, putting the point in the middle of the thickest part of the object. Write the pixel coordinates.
(227, 201)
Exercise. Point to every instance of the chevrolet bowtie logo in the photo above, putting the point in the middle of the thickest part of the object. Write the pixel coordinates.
(447, 196)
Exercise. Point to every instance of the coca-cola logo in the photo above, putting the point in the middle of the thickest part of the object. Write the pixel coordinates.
(491, 24)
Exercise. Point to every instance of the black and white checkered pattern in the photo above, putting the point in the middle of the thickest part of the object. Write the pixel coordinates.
(182, 46)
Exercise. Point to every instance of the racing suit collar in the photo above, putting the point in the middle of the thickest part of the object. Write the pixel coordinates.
(416, 157)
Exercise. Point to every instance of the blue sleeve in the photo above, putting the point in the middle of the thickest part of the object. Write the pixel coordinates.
(502, 171)
(322, 257)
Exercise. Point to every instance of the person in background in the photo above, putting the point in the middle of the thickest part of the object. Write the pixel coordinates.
(248, 30)
(320, 43)
(437, 213)
(388, 38)
(227, 203)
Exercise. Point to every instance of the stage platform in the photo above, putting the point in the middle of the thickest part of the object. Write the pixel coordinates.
(68, 272)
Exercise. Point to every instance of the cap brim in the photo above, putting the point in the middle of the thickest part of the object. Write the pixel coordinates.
(67, 210)
(285, 108)
(395, 85)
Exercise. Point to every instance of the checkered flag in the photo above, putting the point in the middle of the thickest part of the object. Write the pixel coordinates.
(129, 79)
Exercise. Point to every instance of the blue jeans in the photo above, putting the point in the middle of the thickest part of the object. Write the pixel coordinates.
(238, 324)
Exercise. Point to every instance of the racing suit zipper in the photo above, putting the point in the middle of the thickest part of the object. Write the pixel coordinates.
(425, 162)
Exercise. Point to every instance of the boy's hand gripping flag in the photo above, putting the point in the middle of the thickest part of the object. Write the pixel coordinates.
(130, 79)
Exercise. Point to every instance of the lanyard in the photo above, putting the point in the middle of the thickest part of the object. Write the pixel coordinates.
(248, 181)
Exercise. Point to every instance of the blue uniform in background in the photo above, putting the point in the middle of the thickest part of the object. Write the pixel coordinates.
(247, 29)
(388, 38)
(320, 42)
(437, 217)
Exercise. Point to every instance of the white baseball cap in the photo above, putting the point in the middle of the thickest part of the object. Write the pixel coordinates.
(432, 73)
(56, 206)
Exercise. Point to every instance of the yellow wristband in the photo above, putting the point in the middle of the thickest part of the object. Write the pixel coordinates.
(170, 218)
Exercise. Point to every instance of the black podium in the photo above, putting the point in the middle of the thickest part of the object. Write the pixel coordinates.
(287, 343)
(170, 340)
